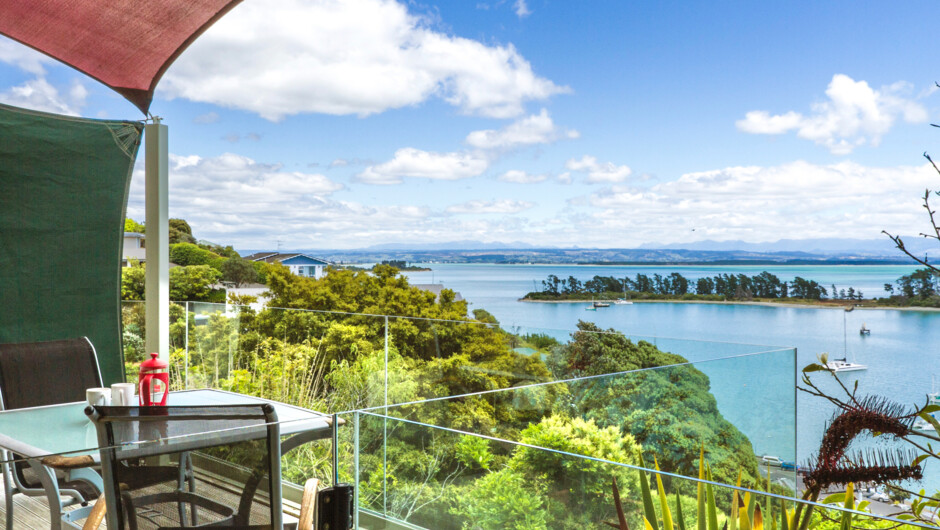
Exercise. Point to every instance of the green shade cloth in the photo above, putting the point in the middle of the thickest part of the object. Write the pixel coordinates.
(63, 194)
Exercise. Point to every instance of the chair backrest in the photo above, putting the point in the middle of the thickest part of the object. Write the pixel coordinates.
(34, 374)
(223, 461)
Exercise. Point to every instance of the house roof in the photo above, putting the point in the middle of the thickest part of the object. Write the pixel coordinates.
(134, 234)
(126, 45)
(271, 257)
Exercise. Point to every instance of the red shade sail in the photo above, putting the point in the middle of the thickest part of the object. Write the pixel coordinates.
(125, 44)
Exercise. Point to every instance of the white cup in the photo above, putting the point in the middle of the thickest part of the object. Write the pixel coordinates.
(98, 396)
(122, 394)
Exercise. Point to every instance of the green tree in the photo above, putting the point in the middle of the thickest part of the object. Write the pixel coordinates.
(584, 480)
(193, 282)
(485, 316)
(132, 283)
(594, 351)
(503, 500)
(180, 232)
(670, 411)
(131, 225)
(238, 271)
(921, 283)
(807, 289)
(187, 254)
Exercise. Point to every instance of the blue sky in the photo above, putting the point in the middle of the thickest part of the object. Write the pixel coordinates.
(328, 124)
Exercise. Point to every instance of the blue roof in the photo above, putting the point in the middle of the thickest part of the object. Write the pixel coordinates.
(303, 259)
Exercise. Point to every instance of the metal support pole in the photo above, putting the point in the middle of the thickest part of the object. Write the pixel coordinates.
(356, 466)
(186, 348)
(385, 431)
(335, 434)
(157, 279)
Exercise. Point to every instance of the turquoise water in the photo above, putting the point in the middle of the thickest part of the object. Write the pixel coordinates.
(901, 351)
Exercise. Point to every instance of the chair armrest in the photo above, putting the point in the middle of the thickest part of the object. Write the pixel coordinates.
(68, 462)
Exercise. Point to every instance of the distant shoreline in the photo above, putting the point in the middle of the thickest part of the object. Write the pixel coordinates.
(743, 302)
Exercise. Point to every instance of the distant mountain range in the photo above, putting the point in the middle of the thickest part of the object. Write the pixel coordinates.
(784, 251)
(465, 244)
(821, 246)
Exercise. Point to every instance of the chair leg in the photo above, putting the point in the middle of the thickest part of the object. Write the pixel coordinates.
(50, 484)
(8, 493)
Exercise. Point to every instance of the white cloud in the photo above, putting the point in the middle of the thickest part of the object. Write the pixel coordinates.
(232, 199)
(38, 94)
(283, 57)
(531, 130)
(411, 162)
(522, 10)
(521, 177)
(795, 200)
(209, 117)
(23, 57)
(503, 206)
(854, 115)
(338, 162)
(597, 172)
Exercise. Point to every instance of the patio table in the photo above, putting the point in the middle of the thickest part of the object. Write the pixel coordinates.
(44, 435)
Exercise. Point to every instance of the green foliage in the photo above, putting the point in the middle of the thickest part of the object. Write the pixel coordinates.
(238, 271)
(594, 351)
(133, 344)
(360, 383)
(584, 479)
(669, 411)
(474, 452)
(131, 225)
(676, 286)
(242, 300)
(485, 316)
(503, 500)
(186, 254)
(180, 232)
(261, 268)
(384, 292)
(132, 283)
(540, 341)
(193, 282)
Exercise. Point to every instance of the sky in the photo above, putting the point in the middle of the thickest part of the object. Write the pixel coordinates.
(327, 124)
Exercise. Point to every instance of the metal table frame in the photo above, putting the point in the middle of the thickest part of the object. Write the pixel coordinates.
(40, 432)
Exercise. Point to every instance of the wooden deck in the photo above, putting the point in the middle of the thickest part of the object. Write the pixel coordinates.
(32, 513)
(29, 513)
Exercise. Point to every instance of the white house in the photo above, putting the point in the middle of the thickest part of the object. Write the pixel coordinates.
(299, 264)
(133, 248)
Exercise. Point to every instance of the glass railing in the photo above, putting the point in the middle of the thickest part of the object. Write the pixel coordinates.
(377, 360)
(479, 385)
(560, 474)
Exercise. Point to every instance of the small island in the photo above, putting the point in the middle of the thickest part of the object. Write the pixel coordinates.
(920, 289)
(403, 266)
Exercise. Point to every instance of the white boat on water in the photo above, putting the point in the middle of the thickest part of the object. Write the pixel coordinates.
(843, 365)
(624, 300)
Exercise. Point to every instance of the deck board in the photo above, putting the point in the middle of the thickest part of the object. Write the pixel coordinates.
(32, 513)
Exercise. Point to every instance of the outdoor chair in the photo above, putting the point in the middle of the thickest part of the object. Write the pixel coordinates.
(47, 373)
(235, 456)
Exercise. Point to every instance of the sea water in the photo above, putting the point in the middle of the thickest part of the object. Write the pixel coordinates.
(755, 393)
